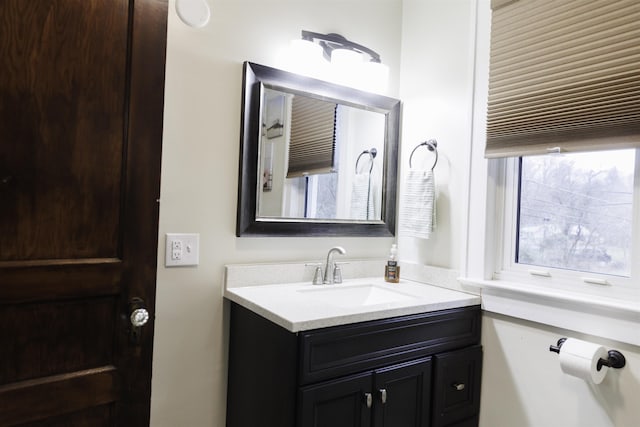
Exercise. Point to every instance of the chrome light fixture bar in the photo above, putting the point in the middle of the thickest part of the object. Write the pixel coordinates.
(330, 42)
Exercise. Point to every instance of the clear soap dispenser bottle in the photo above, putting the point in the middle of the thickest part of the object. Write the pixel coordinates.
(392, 269)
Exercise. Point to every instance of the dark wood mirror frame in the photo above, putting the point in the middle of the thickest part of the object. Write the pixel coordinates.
(255, 77)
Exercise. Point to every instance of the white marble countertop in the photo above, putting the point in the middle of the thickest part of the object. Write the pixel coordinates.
(303, 306)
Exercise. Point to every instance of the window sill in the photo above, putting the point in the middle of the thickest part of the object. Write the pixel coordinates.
(604, 317)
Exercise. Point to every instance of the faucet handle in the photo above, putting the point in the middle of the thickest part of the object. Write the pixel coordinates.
(317, 275)
(337, 272)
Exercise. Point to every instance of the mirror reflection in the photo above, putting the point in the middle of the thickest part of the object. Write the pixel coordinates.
(319, 159)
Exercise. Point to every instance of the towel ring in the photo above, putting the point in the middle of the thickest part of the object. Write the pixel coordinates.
(432, 145)
(372, 155)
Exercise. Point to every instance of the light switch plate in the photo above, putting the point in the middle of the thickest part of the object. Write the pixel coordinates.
(182, 250)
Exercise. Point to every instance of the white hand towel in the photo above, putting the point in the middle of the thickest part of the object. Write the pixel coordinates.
(361, 197)
(418, 207)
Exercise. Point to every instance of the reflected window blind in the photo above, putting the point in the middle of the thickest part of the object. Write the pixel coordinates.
(313, 136)
(563, 73)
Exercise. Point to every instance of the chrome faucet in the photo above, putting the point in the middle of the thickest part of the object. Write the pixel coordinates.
(329, 267)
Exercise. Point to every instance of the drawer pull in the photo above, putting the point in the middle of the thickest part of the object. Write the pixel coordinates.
(368, 398)
(383, 395)
(458, 386)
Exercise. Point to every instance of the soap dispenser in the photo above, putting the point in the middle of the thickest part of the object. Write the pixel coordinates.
(392, 269)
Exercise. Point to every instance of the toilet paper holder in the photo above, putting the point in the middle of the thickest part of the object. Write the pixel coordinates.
(615, 360)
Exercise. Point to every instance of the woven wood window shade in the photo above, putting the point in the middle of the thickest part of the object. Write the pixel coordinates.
(563, 73)
(313, 136)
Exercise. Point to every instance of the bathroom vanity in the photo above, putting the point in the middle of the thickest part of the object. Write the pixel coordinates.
(380, 362)
(361, 353)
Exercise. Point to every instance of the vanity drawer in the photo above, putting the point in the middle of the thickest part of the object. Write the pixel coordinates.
(456, 387)
(332, 352)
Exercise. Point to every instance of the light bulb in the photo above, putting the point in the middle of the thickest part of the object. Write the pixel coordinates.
(374, 77)
(345, 57)
(345, 66)
(305, 57)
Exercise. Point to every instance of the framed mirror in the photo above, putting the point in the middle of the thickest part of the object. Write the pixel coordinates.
(316, 158)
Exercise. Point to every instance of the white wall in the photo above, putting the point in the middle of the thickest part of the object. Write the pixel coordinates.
(436, 88)
(270, 203)
(522, 385)
(199, 182)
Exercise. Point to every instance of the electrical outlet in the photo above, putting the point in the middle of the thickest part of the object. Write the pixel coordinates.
(176, 250)
(182, 250)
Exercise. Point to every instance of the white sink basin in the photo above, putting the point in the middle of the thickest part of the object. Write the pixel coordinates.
(355, 295)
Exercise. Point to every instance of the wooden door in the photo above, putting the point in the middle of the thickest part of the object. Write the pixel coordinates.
(403, 395)
(81, 102)
(345, 402)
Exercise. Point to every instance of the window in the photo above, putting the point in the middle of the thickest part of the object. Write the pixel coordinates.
(321, 196)
(563, 82)
(518, 216)
(575, 211)
(569, 221)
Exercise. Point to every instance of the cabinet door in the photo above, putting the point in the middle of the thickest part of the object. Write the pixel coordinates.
(403, 395)
(456, 387)
(345, 402)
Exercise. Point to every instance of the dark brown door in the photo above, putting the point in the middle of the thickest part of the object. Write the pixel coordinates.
(81, 102)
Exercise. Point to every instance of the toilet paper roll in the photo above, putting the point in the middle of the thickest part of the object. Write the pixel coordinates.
(580, 359)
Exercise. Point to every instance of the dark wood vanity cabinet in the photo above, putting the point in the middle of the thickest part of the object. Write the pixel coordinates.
(418, 370)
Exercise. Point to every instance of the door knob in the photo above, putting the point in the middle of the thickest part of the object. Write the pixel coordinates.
(139, 317)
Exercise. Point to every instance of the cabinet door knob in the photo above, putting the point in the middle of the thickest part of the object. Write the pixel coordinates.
(458, 386)
(368, 398)
(383, 395)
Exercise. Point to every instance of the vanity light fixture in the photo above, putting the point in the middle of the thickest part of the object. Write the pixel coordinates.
(332, 41)
(332, 57)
